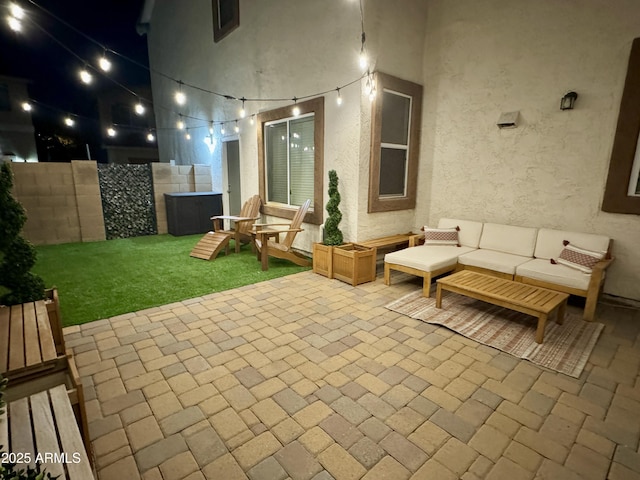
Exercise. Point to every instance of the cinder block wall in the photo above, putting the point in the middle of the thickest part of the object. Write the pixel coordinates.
(177, 178)
(63, 200)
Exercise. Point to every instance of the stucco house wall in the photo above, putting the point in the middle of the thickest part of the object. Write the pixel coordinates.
(485, 58)
(475, 60)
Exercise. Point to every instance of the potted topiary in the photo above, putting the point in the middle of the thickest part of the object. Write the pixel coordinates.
(332, 236)
(17, 255)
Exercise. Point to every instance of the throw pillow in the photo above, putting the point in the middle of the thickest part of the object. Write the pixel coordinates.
(578, 258)
(441, 236)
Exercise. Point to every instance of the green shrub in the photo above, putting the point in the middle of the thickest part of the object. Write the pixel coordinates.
(17, 256)
(333, 235)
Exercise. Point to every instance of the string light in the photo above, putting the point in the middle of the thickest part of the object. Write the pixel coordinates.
(139, 108)
(85, 76)
(222, 130)
(211, 128)
(296, 109)
(187, 135)
(69, 122)
(16, 11)
(14, 24)
(236, 128)
(111, 132)
(104, 62)
(26, 106)
(150, 137)
(180, 97)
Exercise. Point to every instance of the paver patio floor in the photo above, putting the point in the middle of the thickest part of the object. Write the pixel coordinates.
(308, 378)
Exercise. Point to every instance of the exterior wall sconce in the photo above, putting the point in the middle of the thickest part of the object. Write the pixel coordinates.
(568, 100)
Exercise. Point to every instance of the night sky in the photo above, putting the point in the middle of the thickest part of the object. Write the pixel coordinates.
(53, 72)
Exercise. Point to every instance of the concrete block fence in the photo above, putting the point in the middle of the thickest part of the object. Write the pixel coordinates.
(64, 204)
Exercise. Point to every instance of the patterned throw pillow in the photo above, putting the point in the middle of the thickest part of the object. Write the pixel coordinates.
(578, 258)
(441, 236)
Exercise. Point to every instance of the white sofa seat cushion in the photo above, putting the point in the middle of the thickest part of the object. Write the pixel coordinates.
(469, 233)
(427, 257)
(541, 269)
(549, 243)
(509, 239)
(498, 261)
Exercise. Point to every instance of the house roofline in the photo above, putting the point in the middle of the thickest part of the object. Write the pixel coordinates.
(144, 21)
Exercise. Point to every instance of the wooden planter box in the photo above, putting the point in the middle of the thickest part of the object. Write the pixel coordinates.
(323, 259)
(354, 264)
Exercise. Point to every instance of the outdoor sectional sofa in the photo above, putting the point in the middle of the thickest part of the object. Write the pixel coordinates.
(523, 254)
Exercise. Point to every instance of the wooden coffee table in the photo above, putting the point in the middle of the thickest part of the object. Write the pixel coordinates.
(538, 302)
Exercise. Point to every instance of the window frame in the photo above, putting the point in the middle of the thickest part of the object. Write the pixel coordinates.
(616, 195)
(221, 31)
(378, 203)
(315, 106)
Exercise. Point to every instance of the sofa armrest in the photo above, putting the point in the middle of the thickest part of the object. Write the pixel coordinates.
(415, 240)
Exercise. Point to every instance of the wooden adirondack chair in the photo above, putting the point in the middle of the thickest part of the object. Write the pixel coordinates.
(267, 247)
(249, 213)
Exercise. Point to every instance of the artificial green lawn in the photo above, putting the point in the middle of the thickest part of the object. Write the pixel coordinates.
(102, 279)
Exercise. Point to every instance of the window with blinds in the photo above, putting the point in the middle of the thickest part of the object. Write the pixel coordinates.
(290, 160)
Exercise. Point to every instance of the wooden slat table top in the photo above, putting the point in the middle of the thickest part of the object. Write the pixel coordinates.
(26, 339)
(503, 290)
(44, 423)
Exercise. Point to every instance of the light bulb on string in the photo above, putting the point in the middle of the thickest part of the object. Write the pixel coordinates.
(150, 137)
(180, 97)
(104, 62)
(14, 24)
(16, 11)
(211, 128)
(222, 130)
(187, 135)
(339, 99)
(26, 106)
(69, 122)
(111, 132)
(243, 112)
(85, 76)
(363, 60)
(296, 109)
(139, 108)
(252, 119)
(180, 123)
(236, 128)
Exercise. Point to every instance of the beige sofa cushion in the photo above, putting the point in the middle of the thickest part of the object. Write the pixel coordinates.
(509, 239)
(427, 257)
(549, 243)
(498, 261)
(469, 233)
(541, 269)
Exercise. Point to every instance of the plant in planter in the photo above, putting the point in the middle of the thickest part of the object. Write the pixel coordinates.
(17, 255)
(323, 252)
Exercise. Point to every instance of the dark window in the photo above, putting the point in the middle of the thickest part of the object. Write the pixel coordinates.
(290, 159)
(395, 144)
(226, 17)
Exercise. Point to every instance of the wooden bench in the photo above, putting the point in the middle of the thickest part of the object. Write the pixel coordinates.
(42, 428)
(387, 244)
(28, 344)
(535, 301)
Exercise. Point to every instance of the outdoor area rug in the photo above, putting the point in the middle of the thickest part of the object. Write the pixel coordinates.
(566, 347)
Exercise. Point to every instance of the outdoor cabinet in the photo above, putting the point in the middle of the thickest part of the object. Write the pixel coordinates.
(191, 212)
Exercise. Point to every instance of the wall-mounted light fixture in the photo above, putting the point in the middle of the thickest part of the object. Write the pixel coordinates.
(568, 100)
